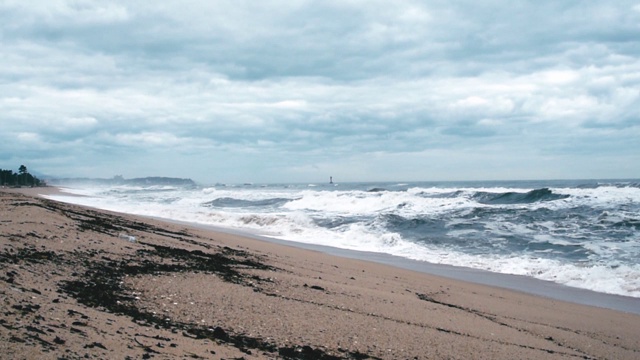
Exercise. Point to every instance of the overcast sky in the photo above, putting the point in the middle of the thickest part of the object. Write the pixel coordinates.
(297, 91)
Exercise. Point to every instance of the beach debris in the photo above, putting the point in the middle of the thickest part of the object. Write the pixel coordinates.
(219, 333)
(97, 282)
(127, 237)
(315, 287)
(94, 345)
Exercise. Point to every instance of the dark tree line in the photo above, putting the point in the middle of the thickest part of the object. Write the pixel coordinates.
(21, 178)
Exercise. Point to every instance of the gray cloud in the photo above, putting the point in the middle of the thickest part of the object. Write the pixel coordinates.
(276, 91)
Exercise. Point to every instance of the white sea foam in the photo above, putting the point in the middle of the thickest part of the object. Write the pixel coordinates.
(357, 223)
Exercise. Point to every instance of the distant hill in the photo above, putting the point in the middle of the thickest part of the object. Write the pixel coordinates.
(119, 180)
(158, 180)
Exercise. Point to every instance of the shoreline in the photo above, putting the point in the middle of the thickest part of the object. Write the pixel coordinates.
(73, 288)
(521, 283)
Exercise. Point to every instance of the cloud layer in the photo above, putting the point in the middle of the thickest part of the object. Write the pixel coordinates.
(276, 91)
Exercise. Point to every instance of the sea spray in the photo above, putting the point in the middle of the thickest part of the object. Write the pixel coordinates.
(579, 233)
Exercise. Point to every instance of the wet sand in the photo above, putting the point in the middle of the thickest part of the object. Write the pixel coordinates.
(75, 286)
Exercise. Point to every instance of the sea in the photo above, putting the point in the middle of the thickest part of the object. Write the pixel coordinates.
(580, 233)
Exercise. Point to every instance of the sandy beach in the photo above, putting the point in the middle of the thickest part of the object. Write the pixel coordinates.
(82, 283)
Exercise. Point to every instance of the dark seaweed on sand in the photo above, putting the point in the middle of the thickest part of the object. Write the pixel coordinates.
(100, 284)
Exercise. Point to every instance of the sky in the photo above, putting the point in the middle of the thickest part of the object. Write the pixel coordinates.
(297, 91)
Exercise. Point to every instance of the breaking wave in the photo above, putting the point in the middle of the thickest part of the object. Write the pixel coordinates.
(578, 233)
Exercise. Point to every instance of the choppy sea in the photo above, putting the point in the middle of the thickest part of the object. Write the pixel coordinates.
(579, 233)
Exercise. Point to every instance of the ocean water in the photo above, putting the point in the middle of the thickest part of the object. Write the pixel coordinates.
(583, 234)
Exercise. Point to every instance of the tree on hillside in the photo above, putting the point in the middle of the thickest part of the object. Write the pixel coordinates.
(22, 170)
(9, 178)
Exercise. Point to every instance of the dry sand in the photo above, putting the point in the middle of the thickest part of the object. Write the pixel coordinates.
(72, 287)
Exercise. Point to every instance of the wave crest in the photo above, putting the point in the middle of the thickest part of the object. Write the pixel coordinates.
(508, 198)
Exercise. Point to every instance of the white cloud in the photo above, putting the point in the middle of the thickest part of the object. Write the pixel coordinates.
(290, 104)
(144, 139)
(472, 101)
(558, 77)
(490, 122)
(29, 137)
(83, 122)
(566, 108)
